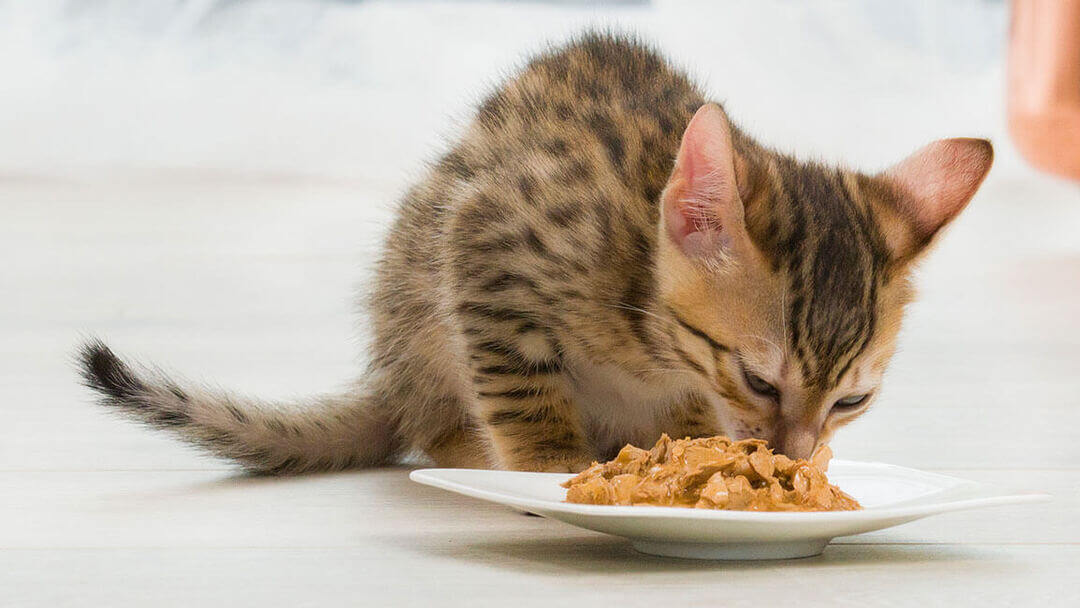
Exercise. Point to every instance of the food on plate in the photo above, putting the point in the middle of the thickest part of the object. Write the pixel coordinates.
(711, 473)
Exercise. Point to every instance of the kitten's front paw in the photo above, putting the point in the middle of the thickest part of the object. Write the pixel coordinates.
(570, 464)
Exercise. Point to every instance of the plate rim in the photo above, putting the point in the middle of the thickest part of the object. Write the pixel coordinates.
(987, 495)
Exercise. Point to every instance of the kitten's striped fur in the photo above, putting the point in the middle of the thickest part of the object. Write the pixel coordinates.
(577, 273)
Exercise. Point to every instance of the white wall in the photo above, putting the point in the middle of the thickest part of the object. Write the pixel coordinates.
(367, 89)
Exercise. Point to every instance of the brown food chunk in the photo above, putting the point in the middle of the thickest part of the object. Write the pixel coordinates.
(711, 473)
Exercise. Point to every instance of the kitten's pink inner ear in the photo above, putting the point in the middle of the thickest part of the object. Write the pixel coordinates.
(937, 182)
(701, 204)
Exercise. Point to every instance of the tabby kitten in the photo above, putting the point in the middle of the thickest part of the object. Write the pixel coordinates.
(601, 258)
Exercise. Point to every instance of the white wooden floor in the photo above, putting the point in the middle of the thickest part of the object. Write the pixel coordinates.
(246, 281)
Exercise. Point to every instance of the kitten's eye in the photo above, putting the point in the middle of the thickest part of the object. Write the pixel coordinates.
(850, 403)
(760, 386)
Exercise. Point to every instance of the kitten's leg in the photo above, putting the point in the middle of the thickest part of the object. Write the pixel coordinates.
(460, 447)
(429, 398)
(693, 417)
(522, 399)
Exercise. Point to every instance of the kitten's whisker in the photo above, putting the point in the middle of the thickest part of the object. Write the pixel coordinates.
(783, 312)
(625, 306)
(765, 340)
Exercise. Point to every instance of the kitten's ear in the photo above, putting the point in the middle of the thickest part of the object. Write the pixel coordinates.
(702, 210)
(932, 187)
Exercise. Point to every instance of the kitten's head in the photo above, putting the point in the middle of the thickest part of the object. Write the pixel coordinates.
(789, 280)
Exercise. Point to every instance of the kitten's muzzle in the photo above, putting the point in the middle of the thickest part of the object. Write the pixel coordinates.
(797, 442)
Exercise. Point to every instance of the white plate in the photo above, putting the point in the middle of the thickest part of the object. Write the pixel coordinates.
(890, 495)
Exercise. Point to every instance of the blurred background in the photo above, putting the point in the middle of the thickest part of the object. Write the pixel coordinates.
(363, 89)
(205, 183)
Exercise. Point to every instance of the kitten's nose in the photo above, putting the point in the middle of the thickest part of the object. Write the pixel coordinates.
(798, 442)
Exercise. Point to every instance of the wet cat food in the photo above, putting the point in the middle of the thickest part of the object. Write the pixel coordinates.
(711, 473)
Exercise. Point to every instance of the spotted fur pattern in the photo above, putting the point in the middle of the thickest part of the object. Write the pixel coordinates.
(531, 312)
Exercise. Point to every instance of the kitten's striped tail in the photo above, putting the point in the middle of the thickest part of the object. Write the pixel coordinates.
(331, 433)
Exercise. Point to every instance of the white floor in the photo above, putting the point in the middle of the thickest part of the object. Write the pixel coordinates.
(247, 281)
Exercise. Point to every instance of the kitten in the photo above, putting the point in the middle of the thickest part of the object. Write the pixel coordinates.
(601, 258)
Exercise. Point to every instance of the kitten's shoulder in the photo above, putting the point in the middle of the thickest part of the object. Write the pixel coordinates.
(595, 68)
(602, 62)
(594, 53)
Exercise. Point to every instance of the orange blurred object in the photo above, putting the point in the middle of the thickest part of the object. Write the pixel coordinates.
(1044, 83)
